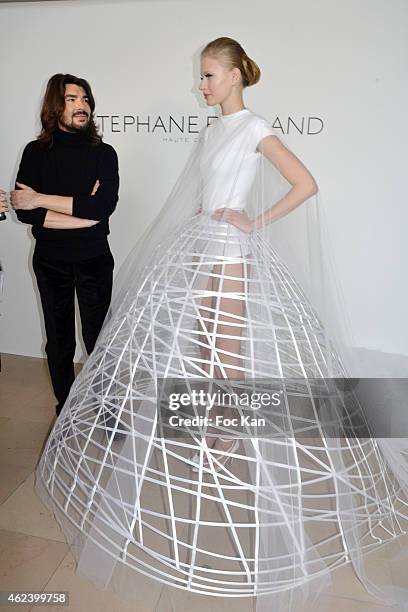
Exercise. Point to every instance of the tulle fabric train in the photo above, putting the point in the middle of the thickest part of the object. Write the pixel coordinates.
(201, 300)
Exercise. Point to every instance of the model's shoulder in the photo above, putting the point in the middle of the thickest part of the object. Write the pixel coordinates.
(260, 127)
(258, 120)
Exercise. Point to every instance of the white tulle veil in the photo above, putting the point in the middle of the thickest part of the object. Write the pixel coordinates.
(300, 240)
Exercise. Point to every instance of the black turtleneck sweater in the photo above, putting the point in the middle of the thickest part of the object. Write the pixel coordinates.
(70, 167)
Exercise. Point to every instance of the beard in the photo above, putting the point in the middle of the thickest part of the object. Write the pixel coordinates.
(74, 128)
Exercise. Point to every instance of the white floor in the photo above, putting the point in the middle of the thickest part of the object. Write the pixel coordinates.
(33, 553)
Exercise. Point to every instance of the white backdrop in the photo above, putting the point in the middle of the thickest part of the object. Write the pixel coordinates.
(343, 63)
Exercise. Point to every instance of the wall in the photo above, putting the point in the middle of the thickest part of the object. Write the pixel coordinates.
(342, 63)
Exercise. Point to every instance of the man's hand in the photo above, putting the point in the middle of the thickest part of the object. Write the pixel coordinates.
(23, 198)
(3, 201)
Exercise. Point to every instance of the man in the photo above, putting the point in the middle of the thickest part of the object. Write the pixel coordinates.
(3, 204)
(67, 187)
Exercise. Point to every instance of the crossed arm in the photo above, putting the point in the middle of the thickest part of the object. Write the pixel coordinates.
(64, 212)
(59, 208)
(56, 220)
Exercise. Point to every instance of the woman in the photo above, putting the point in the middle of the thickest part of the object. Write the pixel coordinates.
(206, 298)
(225, 71)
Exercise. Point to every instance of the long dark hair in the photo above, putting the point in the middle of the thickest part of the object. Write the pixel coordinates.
(53, 107)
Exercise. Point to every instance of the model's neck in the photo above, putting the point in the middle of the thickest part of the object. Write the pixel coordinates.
(232, 106)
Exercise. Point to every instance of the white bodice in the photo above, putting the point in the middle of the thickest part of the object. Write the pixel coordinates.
(230, 159)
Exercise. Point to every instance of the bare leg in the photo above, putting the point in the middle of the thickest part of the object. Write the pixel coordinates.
(205, 326)
(229, 320)
(228, 327)
(221, 323)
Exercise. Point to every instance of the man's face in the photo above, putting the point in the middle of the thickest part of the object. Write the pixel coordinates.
(77, 110)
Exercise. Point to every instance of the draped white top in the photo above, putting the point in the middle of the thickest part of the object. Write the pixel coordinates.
(230, 159)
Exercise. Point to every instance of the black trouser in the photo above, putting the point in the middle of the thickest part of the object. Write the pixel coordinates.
(57, 282)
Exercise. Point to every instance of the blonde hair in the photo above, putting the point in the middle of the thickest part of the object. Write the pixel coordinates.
(232, 55)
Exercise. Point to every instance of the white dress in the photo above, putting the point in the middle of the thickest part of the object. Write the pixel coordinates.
(229, 172)
(208, 301)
